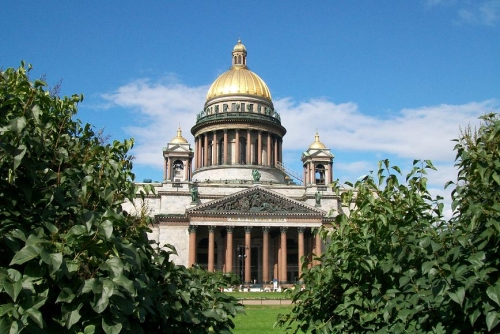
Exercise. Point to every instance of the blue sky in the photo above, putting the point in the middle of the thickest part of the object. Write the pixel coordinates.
(377, 79)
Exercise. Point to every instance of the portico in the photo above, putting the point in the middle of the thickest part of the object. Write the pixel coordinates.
(258, 234)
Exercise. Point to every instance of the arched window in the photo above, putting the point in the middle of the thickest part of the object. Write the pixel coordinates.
(320, 174)
(177, 168)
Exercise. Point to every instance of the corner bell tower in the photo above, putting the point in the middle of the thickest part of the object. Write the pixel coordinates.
(317, 162)
(178, 157)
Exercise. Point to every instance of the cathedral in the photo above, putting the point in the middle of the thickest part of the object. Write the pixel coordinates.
(228, 203)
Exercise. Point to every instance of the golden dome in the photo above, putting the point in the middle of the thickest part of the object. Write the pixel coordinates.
(317, 144)
(239, 47)
(179, 139)
(239, 79)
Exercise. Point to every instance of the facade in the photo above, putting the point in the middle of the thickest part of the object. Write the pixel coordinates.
(228, 203)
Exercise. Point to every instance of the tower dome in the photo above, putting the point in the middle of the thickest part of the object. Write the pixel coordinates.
(239, 79)
(317, 144)
(179, 139)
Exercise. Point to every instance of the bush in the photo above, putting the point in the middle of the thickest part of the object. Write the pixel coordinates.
(71, 260)
(395, 265)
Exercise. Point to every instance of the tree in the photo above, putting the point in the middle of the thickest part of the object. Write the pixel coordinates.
(394, 264)
(71, 260)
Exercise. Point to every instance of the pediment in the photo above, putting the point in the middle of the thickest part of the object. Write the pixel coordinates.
(177, 148)
(321, 153)
(258, 201)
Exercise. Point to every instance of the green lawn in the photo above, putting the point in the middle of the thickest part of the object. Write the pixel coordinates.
(263, 295)
(259, 319)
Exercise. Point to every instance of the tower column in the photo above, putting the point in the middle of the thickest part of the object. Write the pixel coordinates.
(279, 150)
(283, 264)
(229, 249)
(259, 149)
(275, 150)
(205, 151)
(192, 245)
(300, 231)
(317, 239)
(214, 149)
(165, 161)
(265, 254)
(169, 170)
(237, 146)
(268, 162)
(211, 248)
(248, 254)
(186, 170)
(225, 147)
(249, 148)
(198, 151)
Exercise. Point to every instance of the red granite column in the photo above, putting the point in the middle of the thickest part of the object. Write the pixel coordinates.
(300, 232)
(265, 254)
(268, 162)
(249, 148)
(211, 248)
(317, 247)
(248, 254)
(214, 149)
(165, 168)
(275, 143)
(225, 147)
(229, 249)
(192, 245)
(205, 151)
(237, 146)
(259, 149)
(283, 267)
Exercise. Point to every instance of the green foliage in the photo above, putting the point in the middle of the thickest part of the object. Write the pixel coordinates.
(70, 259)
(395, 265)
(223, 280)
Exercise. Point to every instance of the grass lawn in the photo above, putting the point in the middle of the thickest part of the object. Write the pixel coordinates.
(259, 319)
(263, 295)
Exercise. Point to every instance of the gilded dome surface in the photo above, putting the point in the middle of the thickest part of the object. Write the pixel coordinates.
(317, 144)
(239, 79)
(179, 139)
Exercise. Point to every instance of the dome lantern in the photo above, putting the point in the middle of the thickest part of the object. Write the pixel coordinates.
(239, 55)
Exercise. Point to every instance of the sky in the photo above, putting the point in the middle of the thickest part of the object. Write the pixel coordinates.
(384, 79)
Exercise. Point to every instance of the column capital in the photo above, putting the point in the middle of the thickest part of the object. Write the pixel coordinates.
(211, 228)
(230, 229)
(283, 229)
(301, 229)
(248, 229)
(192, 228)
(266, 229)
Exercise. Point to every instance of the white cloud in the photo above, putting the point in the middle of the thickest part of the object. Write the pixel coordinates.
(419, 133)
(158, 109)
(485, 12)
(414, 133)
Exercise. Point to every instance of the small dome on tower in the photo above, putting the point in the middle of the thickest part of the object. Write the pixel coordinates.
(239, 47)
(317, 144)
(179, 139)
